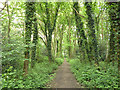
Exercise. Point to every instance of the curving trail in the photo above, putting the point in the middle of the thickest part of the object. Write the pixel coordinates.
(64, 78)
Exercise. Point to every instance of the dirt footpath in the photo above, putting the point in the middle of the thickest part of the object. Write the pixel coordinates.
(64, 78)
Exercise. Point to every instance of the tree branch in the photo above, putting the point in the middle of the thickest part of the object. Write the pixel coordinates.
(56, 17)
(79, 13)
(43, 41)
(48, 16)
(43, 30)
(97, 18)
(3, 7)
(9, 21)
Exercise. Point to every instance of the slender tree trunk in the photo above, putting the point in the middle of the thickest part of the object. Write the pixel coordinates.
(35, 38)
(9, 22)
(57, 48)
(61, 38)
(69, 38)
(29, 15)
(55, 33)
(74, 51)
(69, 41)
(60, 47)
(49, 40)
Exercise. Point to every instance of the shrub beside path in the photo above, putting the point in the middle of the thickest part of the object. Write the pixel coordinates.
(64, 78)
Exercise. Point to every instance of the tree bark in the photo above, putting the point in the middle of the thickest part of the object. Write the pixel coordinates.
(49, 40)
(61, 39)
(50, 29)
(9, 22)
(114, 14)
(69, 38)
(82, 42)
(35, 38)
(93, 40)
(28, 25)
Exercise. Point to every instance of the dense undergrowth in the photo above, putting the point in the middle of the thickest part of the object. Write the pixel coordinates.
(93, 76)
(37, 77)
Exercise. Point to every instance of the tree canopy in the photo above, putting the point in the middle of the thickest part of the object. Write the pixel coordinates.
(36, 37)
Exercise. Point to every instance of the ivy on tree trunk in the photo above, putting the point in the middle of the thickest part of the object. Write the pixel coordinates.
(114, 15)
(92, 35)
(28, 26)
(82, 40)
(35, 39)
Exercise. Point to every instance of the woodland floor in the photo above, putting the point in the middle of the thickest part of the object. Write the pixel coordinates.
(64, 78)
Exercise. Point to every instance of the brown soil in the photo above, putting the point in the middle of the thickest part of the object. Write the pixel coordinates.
(64, 78)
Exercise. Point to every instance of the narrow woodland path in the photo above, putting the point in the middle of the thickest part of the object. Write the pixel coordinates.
(64, 78)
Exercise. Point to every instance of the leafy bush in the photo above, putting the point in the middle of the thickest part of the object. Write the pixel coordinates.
(59, 61)
(95, 76)
(13, 53)
(67, 59)
(38, 76)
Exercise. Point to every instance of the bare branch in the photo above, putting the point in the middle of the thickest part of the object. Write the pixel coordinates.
(9, 17)
(3, 7)
(9, 21)
(79, 13)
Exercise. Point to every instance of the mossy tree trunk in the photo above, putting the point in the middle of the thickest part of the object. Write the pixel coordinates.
(69, 40)
(50, 27)
(114, 15)
(35, 39)
(28, 25)
(92, 35)
(61, 39)
(82, 40)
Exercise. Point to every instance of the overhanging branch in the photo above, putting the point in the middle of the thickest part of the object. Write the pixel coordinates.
(56, 14)
(3, 7)
(79, 13)
(43, 30)
(43, 41)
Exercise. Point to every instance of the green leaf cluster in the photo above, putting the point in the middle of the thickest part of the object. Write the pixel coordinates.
(93, 76)
(38, 76)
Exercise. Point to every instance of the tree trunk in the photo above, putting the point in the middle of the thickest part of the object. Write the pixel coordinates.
(93, 40)
(61, 38)
(35, 38)
(57, 48)
(9, 23)
(29, 15)
(50, 29)
(69, 38)
(55, 33)
(114, 21)
(82, 42)
(49, 40)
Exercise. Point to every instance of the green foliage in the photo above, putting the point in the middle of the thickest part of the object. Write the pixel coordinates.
(42, 58)
(12, 53)
(97, 26)
(37, 77)
(93, 76)
(59, 61)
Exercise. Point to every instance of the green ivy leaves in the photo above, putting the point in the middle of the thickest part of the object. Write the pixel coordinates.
(93, 76)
